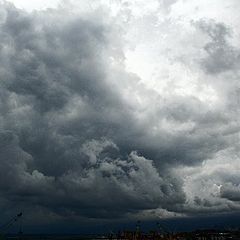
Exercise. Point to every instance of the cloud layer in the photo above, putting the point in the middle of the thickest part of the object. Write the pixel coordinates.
(120, 110)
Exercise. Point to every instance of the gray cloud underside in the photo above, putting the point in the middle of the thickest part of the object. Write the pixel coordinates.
(71, 144)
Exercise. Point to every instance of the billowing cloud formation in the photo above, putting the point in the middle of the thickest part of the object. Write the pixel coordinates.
(214, 185)
(107, 116)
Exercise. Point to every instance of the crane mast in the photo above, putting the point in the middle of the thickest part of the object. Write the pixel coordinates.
(6, 226)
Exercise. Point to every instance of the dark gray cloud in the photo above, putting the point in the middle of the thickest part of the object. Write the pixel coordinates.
(76, 143)
(55, 102)
(221, 55)
(231, 192)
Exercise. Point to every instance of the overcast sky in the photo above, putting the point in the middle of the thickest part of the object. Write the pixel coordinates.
(119, 110)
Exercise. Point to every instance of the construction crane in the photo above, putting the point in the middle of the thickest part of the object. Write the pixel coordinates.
(4, 228)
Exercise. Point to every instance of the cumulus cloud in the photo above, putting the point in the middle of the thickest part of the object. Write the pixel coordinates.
(221, 55)
(106, 114)
(119, 184)
(231, 191)
(214, 185)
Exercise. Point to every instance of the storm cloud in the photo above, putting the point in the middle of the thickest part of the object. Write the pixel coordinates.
(106, 116)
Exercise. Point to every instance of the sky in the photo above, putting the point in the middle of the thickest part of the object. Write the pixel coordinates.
(114, 111)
